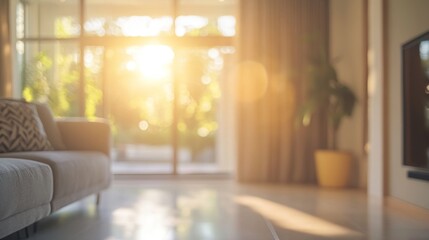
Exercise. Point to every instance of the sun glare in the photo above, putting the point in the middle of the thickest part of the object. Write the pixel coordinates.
(153, 61)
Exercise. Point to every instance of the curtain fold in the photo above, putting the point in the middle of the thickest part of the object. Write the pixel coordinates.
(277, 37)
(5, 51)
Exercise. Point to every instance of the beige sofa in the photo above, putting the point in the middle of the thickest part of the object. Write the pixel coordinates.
(34, 184)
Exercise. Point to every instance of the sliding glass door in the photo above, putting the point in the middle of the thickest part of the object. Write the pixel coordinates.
(157, 70)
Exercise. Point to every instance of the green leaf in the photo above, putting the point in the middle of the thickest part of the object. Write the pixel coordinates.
(325, 92)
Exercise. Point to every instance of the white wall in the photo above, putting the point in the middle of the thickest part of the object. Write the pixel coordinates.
(346, 45)
(406, 19)
(376, 99)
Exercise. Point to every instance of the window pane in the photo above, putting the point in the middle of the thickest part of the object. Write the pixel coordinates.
(139, 101)
(48, 18)
(135, 18)
(51, 73)
(200, 76)
(206, 18)
(94, 61)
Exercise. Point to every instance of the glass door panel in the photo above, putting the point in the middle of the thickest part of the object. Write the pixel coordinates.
(200, 78)
(93, 80)
(138, 83)
(50, 73)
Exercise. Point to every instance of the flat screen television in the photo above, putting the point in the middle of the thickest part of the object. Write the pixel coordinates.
(415, 80)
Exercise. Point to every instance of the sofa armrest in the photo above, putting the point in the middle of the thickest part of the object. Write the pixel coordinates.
(83, 134)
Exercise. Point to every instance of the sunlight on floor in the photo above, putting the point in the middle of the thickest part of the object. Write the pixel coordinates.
(151, 218)
(293, 219)
(197, 209)
(147, 219)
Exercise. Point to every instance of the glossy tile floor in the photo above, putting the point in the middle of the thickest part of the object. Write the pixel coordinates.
(223, 209)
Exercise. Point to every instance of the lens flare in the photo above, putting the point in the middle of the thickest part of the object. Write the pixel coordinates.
(251, 81)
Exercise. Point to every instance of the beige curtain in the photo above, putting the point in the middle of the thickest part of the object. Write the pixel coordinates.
(5, 51)
(276, 38)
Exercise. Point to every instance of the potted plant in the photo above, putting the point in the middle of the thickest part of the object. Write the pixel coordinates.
(330, 99)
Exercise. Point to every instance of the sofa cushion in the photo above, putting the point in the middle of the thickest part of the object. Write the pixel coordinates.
(21, 128)
(23, 219)
(50, 126)
(76, 173)
(24, 185)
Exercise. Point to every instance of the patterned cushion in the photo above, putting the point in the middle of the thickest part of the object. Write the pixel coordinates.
(20, 128)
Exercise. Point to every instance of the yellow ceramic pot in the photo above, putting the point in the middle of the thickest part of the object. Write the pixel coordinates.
(333, 168)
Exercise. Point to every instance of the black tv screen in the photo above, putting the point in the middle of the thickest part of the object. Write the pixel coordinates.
(415, 79)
